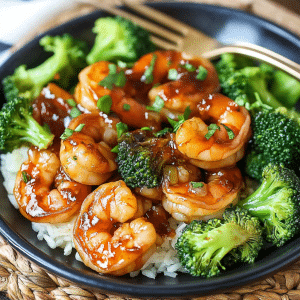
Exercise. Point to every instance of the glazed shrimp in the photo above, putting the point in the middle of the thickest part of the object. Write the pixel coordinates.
(107, 236)
(43, 190)
(185, 89)
(88, 91)
(190, 195)
(220, 149)
(86, 156)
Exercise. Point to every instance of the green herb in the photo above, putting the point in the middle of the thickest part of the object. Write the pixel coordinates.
(189, 67)
(169, 63)
(196, 185)
(181, 119)
(158, 104)
(117, 79)
(67, 133)
(74, 157)
(26, 177)
(71, 102)
(75, 112)
(104, 104)
(212, 128)
(230, 133)
(202, 73)
(79, 127)
(163, 132)
(115, 149)
(126, 107)
(120, 79)
(146, 128)
(156, 85)
(121, 128)
(148, 74)
(172, 74)
(112, 69)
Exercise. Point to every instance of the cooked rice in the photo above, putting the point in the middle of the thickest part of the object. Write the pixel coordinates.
(164, 260)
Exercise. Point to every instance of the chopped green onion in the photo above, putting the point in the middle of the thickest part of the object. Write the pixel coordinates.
(117, 79)
(79, 127)
(146, 128)
(172, 74)
(104, 104)
(212, 128)
(71, 102)
(181, 119)
(158, 104)
(121, 128)
(126, 107)
(202, 73)
(148, 74)
(112, 68)
(75, 112)
(115, 149)
(67, 133)
(26, 177)
(196, 185)
(229, 132)
(120, 79)
(189, 67)
(163, 132)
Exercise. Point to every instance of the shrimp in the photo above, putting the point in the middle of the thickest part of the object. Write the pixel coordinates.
(88, 91)
(185, 89)
(107, 236)
(227, 144)
(86, 156)
(190, 195)
(43, 190)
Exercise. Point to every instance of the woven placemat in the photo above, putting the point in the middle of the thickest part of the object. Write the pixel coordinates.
(22, 279)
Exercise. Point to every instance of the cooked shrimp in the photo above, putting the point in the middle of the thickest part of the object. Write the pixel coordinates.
(185, 89)
(219, 149)
(189, 196)
(85, 155)
(43, 190)
(88, 91)
(106, 235)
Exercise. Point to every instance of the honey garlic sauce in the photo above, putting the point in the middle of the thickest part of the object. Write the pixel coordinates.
(106, 237)
(51, 108)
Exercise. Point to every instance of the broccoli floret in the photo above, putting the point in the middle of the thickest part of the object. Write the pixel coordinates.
(139, 159)
(18, 127)
(205, 248)
(240, 80)
(285, 88)
(276, 203)
(63, 65)
(276, 139)
(119, 39)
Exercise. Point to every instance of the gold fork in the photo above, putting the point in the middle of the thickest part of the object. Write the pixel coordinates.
(175, 35)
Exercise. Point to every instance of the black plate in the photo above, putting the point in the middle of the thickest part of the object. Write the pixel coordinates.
(228, 26)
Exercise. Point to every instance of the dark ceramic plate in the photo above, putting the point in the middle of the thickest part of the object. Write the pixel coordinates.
(227, 26)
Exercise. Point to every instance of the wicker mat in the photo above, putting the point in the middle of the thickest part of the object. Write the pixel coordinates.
(22, 279)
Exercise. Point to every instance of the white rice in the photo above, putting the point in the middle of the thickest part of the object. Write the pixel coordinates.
(164, 260)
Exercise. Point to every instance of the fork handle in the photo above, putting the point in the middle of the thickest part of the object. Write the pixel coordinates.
(277, 61)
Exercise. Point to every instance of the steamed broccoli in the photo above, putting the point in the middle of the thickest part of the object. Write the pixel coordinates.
(285, 88)
(276, 203)
(139, 158)
(62, 66)
(276, 139)
(119, 39)
(18, 127)
(240, 79)
(204, 248)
